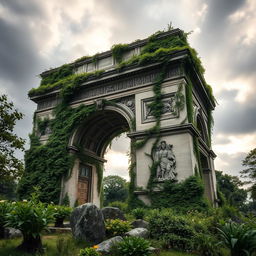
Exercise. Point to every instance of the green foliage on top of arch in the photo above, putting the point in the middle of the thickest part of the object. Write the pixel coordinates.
(47, 164)
(156, 50)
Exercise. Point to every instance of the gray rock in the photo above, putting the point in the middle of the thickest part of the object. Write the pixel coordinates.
(12, 233)
(105, 246)
(87, 223)
(154, 250)
(140, 224)
(112, 213)
(139, 232)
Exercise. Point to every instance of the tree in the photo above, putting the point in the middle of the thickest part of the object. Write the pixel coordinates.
(11, 168)
(8, 190)
(230, 186)
(250, 172)
(115, 189)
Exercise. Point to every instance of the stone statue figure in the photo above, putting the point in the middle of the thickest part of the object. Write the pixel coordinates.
(167, 162)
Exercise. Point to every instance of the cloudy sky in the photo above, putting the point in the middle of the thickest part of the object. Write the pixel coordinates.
(37, 35)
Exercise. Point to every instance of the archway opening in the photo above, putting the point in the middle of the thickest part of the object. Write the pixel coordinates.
(95, 156)
(116, 174)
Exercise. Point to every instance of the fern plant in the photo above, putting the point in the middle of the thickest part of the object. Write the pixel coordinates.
(238, 238)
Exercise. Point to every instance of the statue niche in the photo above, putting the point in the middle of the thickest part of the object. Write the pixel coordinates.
(166, 162)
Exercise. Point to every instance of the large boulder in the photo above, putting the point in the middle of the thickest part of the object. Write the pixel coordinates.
(139, 232)
(105, 246)
(12, 233)
(140, 224)
(87, 223)
(112, 213)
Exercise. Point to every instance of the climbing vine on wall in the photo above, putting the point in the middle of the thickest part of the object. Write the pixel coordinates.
(46, 164)
(118, 51)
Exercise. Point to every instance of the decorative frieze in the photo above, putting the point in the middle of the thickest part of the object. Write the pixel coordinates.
(107, 88)
(169, 108)
(124, 84)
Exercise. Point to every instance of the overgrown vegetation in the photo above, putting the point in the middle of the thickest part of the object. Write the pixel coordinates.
(31, 218)
(118, 50)
(183, 196)
(47, 164)
(116, 227)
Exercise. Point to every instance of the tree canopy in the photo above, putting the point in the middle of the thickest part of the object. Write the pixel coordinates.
(10, 167)
(115, 189)
(230, 186)
(250, 171)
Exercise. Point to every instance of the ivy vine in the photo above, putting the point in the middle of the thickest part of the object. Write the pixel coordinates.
(47, 164)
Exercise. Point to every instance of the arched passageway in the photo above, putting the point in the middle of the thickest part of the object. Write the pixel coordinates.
(88, 144)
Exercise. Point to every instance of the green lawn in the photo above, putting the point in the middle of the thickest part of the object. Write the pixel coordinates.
(59, 245)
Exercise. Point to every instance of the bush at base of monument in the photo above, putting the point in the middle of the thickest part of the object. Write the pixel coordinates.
(117, 227)
(60, 214)
(31, 218)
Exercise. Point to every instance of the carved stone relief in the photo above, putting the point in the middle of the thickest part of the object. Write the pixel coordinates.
(169, 108)
(129, 101)
(166, 167)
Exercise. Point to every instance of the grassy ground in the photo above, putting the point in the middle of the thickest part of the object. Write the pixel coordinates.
(59, 245)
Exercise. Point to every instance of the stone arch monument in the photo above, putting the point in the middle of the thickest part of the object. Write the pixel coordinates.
(178, 139)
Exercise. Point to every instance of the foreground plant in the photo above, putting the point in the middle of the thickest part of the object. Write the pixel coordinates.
(132, 246)
(31, 218)
(89, 252)
(239, 239)
(139, 213)
(117, 227)
(60, 214)
(5, 207)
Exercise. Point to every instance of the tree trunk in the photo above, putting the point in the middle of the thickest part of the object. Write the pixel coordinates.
(2, 229)
(59, 222)
(31, 244)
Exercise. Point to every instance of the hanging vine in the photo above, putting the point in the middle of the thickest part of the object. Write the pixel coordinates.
(46, 164)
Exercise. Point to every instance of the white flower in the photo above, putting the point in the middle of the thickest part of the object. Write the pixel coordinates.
(24, 200)
(2, 201)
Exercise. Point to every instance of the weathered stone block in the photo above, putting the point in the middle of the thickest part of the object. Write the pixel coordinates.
(87, 223)
(140, 224)
(139, 232)
(112, 213)
(105, 246)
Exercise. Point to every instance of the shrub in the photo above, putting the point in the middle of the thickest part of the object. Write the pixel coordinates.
(139, 213)
(121, 205)
(206, 245)
(31, 218)
(60, 213)
(175, 231)
(240, 240)
(66, 200)
(183, 196)
(132, 246)
(117, 227)
(5, 207)
(89, 252)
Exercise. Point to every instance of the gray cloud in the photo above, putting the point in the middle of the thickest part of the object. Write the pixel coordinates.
(21, 7)
(235, 117)
(18, 53)
(232, 163)
(22, 44)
